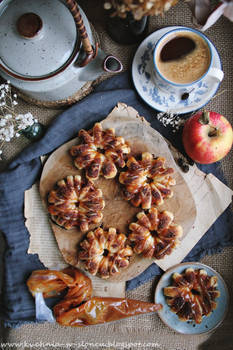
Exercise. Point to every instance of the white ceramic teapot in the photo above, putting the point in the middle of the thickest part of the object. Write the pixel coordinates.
(46, 47)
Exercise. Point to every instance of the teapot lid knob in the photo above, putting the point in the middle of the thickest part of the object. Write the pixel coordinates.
(29, 25)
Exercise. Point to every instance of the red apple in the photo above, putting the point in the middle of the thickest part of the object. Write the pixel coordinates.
(207, 137)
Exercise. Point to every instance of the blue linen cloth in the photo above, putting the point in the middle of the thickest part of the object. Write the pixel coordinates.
(17, 304)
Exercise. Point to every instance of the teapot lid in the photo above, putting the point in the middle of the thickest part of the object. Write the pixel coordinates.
(37, 38)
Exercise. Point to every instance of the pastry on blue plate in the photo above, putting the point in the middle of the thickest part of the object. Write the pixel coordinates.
(192, 294)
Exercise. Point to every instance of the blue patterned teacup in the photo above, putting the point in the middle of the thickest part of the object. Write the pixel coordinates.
(181, 59)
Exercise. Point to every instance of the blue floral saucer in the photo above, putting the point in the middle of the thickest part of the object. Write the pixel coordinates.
(162, 100)
(190, 327)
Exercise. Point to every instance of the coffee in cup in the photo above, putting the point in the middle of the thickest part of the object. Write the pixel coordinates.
(183, 57)
(182, 60)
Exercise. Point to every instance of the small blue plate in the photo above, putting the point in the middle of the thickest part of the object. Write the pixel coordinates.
(190, 327)
(161, 100)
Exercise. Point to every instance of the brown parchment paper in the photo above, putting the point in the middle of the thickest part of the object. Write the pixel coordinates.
(198, 199)
(118, 212)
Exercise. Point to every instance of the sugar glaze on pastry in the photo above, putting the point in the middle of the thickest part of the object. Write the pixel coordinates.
(147, 181)
(105, 252)
(74, 202)
(192, 294)
(100, 152)
(154, 235)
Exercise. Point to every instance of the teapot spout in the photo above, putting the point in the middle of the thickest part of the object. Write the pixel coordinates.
(112, 64)
(99, 65)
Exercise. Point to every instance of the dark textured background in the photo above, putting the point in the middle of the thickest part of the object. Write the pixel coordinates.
(151, 330)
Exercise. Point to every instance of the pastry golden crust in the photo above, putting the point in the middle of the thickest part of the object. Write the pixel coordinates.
(192, 294)
(100, 152)
(154, 235)
(105, 252)
(75, 203)
(147, 182)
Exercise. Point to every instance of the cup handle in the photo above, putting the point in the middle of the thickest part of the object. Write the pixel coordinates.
(216, 74)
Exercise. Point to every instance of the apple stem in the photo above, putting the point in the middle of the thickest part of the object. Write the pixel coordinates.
(213, 132)
(204, 118)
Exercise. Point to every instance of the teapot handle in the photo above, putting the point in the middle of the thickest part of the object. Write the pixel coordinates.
(90, 51)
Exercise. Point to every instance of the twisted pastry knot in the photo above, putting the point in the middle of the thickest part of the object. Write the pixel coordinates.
(192, 294)
(100, 152)
(154, 235)
(147, 182)
(105, 252)
(75, 203)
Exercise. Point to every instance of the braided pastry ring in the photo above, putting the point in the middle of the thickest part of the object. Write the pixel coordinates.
(147, 182)
(75, 203)
(154, 235)
(105, 252)
(100, 152)
(192, 294)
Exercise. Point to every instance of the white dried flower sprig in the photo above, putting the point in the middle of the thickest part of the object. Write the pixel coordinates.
(170, 119)
(11, 123)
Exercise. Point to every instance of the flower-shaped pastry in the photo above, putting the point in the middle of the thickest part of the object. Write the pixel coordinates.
(100, 152)
(105, 252)
(154, 235)
(75, 203)
(192, 294)
(147, 181)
